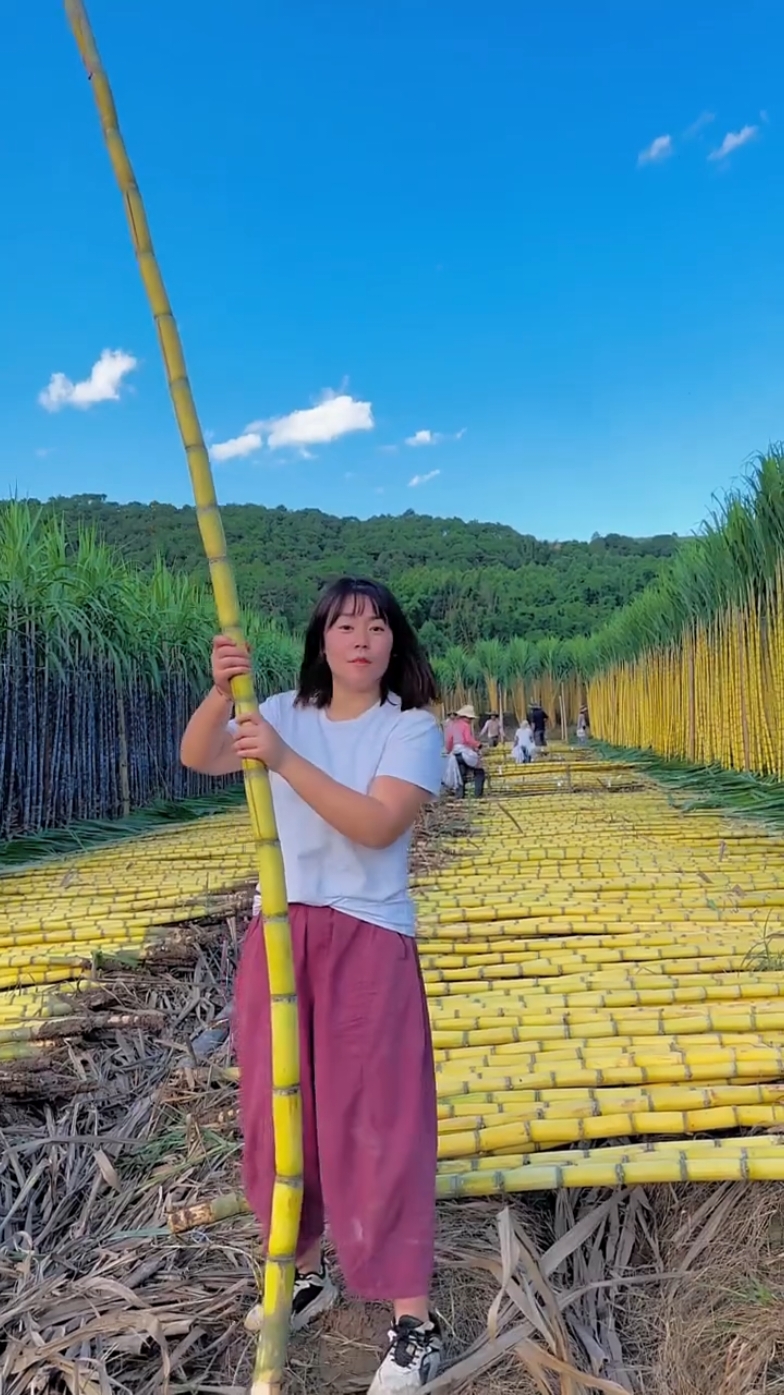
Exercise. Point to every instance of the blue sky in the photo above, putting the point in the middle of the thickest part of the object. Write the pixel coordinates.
(403, 221)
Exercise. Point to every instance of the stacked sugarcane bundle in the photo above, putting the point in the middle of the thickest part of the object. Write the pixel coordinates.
(560, 768)
(60, 918)
(606, 991)
(606, 969)
(617, 972)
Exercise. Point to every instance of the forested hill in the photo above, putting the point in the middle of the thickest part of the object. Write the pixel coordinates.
(459, 581)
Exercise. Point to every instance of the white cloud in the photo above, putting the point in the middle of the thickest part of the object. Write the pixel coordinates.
(733, 141)
(659, 149)
(433, 438)
(44, 451)
(103, 384)
(337, 414)
(423, 479)
(237, 447)
(705, 118)
(424, 438)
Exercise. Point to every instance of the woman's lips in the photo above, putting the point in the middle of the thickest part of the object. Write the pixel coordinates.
(363, 662)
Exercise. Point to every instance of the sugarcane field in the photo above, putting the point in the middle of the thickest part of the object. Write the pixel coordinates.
(391, 903)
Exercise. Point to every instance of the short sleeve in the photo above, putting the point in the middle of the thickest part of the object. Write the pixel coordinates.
(270, 711)
(412, 752)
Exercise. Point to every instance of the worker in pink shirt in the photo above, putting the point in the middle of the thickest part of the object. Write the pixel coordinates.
(463, 745)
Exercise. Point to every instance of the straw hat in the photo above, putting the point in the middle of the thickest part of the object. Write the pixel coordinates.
(467, 711)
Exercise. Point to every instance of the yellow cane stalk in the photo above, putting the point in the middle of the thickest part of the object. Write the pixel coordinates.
(286, 1107)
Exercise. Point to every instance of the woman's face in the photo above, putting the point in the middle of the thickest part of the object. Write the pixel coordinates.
(358, 647)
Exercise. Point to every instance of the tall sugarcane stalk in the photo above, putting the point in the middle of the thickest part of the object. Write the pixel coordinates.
(286, 1107)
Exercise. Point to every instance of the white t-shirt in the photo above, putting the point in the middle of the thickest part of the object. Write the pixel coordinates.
(324, 868)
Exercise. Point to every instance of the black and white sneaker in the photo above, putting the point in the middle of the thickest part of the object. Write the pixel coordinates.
(313, 1294)
(412, 1359)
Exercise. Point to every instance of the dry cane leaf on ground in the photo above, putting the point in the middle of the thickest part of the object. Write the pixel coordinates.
(85, 1186)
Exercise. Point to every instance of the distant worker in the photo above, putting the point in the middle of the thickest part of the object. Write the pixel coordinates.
(491, 731)
(523, 748)
(451, 778)
(539, 719)
(583, 724)
(463, 745)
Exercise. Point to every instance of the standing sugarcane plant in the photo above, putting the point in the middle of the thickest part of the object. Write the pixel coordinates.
(521, 664)
(692, 668)
(286, 1107)
(490, 656)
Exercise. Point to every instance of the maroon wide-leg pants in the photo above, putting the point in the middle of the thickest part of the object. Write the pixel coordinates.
(368, 1097)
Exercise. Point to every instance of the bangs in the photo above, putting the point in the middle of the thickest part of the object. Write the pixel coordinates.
(351, 597)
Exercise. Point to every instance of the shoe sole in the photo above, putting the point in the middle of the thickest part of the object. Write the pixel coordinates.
(385, 1382)
(325, 1301)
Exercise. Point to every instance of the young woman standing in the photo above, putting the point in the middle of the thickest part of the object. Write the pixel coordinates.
(353, 755)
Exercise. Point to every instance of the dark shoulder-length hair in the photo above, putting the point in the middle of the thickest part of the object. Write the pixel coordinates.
(409, 675)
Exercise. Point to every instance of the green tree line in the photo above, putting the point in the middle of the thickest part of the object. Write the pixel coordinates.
(459, 581)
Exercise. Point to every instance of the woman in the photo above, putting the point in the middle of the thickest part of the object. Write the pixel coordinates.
(353, 755)
(523, 749)
(463, 746)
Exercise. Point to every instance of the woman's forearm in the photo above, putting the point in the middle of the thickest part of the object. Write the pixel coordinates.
(206, 745)
(359, 817)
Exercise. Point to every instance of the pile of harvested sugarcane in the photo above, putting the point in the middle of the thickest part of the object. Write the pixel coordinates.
(597, 970)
